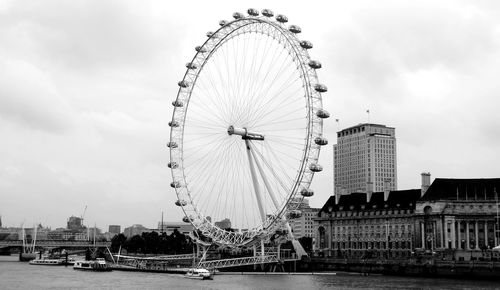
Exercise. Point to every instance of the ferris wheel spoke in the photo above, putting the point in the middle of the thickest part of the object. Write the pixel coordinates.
(278, 122)
(265, 88)
(253, 92)
(274, 102)
(282, 98)
(259, 95)
(259, 123)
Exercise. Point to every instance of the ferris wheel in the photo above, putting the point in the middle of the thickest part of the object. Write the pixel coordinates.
(246, 129)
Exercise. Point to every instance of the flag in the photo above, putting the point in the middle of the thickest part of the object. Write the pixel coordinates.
(368, 111)
(337, 120)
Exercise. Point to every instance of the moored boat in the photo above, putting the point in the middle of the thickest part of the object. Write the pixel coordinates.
(198, 273)
(47, 262)
(98, 265)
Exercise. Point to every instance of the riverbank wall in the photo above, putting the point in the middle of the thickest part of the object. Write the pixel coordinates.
(410, 267)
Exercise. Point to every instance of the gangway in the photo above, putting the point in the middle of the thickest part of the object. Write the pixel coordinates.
(245, 261)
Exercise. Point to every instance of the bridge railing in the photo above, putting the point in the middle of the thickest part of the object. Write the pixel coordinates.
(54, 243)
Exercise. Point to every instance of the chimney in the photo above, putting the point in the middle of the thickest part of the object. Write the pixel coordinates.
(339, 193)
(426, 182)
(369, 191)
(387, 188)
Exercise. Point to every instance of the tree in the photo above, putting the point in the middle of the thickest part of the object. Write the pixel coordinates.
(117, 241)
(135, 244)
(151, 242)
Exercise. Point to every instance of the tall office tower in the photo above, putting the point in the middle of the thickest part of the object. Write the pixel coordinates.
(365, 159)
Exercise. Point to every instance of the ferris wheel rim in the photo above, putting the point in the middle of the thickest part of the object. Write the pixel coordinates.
(311, 152)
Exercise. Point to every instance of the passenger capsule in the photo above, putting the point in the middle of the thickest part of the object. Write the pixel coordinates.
(180, 202)
(320, 88)
(222, 22)
(253, 12)
(282, 18)
(306, 44)
(183, 84)
(295, 29)
(200, 49)
(177, 104)
(267, 13)
(294, 214)
(315, 167)
(172, 165)
(315, 64)
(191, 65)
(173, 124)
(172, 144)
(187, 219)
(175, 184)
(321, 141)
(238, 15)
(210, 33)
(323, 114)
(306, 192)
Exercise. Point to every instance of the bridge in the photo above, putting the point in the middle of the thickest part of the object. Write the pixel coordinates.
(55, 244)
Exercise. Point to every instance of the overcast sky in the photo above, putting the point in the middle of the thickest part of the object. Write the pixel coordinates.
(86, 90)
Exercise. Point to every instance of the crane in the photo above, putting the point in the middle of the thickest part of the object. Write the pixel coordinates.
(83, 214)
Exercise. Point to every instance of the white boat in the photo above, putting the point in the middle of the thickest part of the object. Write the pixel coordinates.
(47, 262)
(198, 273)
(98, 265)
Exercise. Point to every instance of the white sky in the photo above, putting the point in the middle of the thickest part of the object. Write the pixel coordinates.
(86, 90)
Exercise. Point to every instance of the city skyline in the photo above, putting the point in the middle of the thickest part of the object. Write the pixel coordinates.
(86, 91)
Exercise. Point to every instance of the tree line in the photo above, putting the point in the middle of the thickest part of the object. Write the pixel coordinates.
(153, 243)
(175, 243)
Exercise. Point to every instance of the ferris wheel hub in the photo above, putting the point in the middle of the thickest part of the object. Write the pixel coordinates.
(244, 133)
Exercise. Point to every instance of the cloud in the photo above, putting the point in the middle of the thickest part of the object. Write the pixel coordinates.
(29, 98)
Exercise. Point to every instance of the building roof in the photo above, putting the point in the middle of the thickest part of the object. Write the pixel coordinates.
(367, 125)
(462, 189)
(357, 201)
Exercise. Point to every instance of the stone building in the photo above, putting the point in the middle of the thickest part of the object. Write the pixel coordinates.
(459, 214)
(357, 225)
(450, 218)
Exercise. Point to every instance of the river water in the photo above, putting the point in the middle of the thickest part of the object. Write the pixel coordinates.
(20, 275)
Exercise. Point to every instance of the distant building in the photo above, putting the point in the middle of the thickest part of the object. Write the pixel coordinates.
(303, 226)
(169, 227)
(223, 224)
(115, 229)
(75, 224)
(135, 230)
(365, 159)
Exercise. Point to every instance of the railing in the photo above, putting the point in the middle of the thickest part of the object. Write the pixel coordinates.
(216, 264)
(158, 258)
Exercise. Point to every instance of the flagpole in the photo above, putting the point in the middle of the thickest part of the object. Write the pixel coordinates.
(368, 112)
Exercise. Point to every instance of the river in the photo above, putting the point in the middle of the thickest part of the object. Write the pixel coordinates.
(20, 275)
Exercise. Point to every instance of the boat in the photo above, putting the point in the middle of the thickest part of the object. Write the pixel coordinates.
(98, 265)
(47, 262)
(198, 273)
